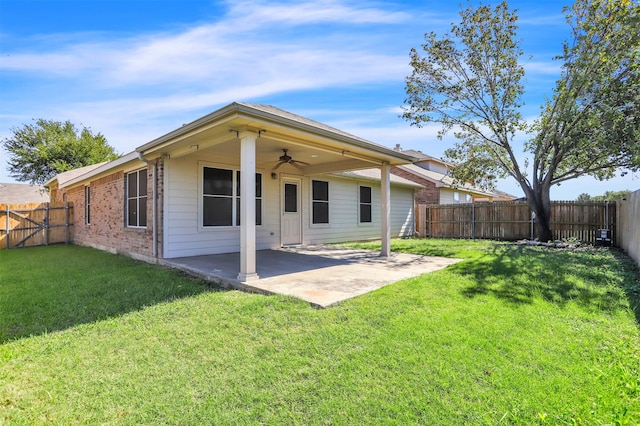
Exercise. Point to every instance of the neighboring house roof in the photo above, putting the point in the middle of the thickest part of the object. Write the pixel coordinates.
(375, 175)
(425, 157)
(442, 180)
(22, 193)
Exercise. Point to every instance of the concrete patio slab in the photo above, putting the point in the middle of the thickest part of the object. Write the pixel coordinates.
(321, 275)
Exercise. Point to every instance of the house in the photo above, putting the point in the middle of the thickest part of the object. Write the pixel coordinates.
(60, 180)
(243, 178)
(22, 193)
(439, 187)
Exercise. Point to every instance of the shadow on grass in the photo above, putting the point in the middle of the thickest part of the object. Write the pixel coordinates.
(592, 278)
(47, 289)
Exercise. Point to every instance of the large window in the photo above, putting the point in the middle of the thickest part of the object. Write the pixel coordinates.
(365, 204)
(137, 199)
(320, 201)
(87, 205)
(221, 197)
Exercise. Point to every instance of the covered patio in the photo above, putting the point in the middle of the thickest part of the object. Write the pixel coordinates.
(319, 274)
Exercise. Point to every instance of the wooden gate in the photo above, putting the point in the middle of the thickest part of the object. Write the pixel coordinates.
(26, 225)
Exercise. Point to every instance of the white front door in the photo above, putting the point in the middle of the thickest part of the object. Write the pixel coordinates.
(290, 223)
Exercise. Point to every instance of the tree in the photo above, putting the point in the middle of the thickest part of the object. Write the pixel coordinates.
(608, 196)
(470, 81)
(39, 151)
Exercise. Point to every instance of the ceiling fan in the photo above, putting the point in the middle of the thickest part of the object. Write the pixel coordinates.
(286, 159)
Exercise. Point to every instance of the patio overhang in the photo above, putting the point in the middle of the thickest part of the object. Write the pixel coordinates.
(257, 135)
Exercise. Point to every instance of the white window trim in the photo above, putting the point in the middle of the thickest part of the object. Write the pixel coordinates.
(235, 170)
(311, 200)
(126, 208)
(87, 205)
(360, 222)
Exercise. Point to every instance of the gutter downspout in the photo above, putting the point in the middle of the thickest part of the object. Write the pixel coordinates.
(155, 202)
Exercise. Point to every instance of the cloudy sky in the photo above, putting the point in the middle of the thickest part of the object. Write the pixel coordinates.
(134, 70)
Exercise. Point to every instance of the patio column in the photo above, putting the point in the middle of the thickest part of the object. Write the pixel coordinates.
(247, 207)
(385, 202)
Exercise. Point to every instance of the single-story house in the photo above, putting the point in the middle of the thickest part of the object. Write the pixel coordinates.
(439, 187)
(22, 193)
(243, 178)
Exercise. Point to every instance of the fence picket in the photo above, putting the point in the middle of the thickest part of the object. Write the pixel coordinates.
(26, 225)
(512, 220)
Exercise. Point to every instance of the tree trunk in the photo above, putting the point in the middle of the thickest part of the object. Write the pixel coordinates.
(543, 222)
(540, 203)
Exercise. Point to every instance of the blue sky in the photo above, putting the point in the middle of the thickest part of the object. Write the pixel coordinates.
(134, 70)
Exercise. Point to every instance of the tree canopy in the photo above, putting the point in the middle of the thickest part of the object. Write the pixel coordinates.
(39, 151)
(471, 82)
(607, 196)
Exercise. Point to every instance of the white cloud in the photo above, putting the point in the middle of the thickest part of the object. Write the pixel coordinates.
(324, 11)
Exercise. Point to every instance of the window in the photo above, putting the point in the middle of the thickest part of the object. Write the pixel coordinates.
(456, 197)
(365, 204)
(290, 198)
(221, 197)
(320, 201)
(468, 198)
(87, 205)
(137, 199)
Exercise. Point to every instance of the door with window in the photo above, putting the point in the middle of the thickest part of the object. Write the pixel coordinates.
(290, 222)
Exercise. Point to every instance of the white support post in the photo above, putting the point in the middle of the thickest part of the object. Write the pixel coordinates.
(247, 207)
(385, 217)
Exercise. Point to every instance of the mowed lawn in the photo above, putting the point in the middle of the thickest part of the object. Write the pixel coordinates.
(510, 335)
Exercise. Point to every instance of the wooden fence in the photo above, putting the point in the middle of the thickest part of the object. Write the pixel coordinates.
(513, 220)
(26, 225)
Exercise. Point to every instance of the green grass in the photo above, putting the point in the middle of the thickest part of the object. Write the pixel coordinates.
(510, 335)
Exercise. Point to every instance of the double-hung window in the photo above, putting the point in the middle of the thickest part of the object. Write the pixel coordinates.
(365, 204)
(320, 201)
(221, 197)
(87, 205)
(137, 199)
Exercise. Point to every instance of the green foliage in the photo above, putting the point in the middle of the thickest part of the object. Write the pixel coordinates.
(591, 125)
(469, 81)
(509, 335)
(39, 151)
(608, 196)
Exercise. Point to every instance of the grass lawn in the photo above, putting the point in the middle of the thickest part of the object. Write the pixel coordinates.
(510, 335)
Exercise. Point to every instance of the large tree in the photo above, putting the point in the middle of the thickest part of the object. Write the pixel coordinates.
(39, 151)
(470, 81)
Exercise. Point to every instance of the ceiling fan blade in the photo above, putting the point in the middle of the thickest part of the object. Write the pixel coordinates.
(299, 162)
(295, 164)
(277, 166)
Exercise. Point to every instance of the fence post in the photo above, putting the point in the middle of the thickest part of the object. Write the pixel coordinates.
(533, 219)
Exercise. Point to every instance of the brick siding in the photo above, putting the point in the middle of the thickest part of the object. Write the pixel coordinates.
(108, 230)
(429, 195)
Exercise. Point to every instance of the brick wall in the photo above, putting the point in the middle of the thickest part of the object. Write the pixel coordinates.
(429, 195)
(108, 230)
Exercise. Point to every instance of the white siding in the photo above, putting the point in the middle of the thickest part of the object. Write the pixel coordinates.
(183, 234)
(438, 167)
(182, 216)
(343, 213)
(446, 196)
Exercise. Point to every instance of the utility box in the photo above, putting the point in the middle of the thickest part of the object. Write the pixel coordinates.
(603, 237)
